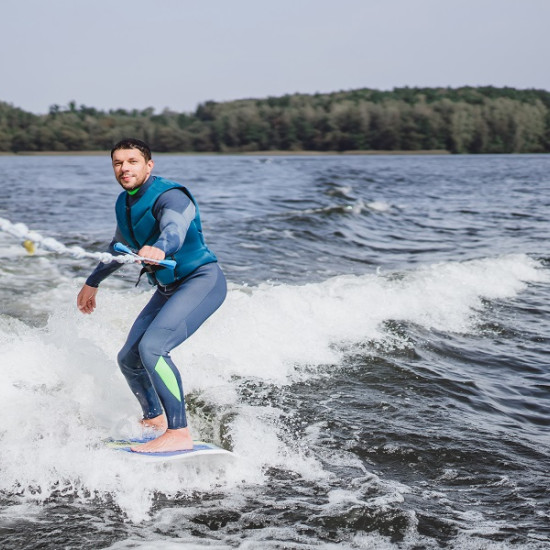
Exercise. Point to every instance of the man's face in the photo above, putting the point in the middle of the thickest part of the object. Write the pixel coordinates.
(131, 169)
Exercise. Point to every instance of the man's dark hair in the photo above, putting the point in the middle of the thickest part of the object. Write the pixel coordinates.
(132, 143)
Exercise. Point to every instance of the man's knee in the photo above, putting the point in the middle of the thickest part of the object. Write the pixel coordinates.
(128, 361)
(149, 352)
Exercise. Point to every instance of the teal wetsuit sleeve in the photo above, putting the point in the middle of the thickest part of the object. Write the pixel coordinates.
(174, 211)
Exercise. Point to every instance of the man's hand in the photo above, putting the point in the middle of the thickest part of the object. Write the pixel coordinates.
(151, 253)
(86, 299)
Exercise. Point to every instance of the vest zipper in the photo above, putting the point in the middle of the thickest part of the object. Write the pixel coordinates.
(129, 222)
(145, 268)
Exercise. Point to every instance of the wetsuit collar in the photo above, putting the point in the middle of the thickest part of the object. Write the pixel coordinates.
(137, 193)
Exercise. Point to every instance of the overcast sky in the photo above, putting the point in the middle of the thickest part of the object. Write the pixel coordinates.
(177, 53)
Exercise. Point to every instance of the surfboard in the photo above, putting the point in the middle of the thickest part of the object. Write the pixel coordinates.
(200, 449)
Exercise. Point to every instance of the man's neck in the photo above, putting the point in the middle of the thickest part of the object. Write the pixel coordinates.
(143, 186)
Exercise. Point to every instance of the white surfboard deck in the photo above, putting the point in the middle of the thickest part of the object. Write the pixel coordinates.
(200, 449)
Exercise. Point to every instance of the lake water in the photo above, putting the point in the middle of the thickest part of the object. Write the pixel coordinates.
(380, 366)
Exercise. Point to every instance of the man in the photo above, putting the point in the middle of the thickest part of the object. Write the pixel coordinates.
(159, 219)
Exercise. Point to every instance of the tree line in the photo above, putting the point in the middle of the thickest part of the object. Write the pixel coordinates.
(458, 120)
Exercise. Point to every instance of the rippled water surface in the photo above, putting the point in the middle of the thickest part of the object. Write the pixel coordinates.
(380, 367)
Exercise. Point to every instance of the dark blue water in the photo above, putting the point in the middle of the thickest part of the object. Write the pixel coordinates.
(381, 365)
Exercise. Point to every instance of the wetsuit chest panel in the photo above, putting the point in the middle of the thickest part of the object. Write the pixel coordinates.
(145, 227)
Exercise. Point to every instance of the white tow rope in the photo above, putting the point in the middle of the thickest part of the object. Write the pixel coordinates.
(32, 240)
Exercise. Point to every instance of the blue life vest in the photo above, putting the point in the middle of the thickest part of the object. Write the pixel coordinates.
(140, 228)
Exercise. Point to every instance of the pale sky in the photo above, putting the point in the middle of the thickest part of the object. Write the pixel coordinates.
(175, 54)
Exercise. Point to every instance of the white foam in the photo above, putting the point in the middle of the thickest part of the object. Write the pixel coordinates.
(379, 206)
(62, 391)
(192, 543)
(269, 331)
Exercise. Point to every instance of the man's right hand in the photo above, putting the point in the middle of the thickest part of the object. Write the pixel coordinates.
(86, 299)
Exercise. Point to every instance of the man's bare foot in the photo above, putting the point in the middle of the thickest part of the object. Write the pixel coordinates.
(170, 440)
(157, 423)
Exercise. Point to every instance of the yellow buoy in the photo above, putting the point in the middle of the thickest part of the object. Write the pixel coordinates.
(29, 246)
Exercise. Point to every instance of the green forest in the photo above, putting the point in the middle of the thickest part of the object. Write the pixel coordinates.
(457, 120)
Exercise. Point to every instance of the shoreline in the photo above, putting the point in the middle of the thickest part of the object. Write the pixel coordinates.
(277, 153)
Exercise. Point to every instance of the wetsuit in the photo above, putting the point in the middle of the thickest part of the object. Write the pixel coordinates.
(177, 309)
